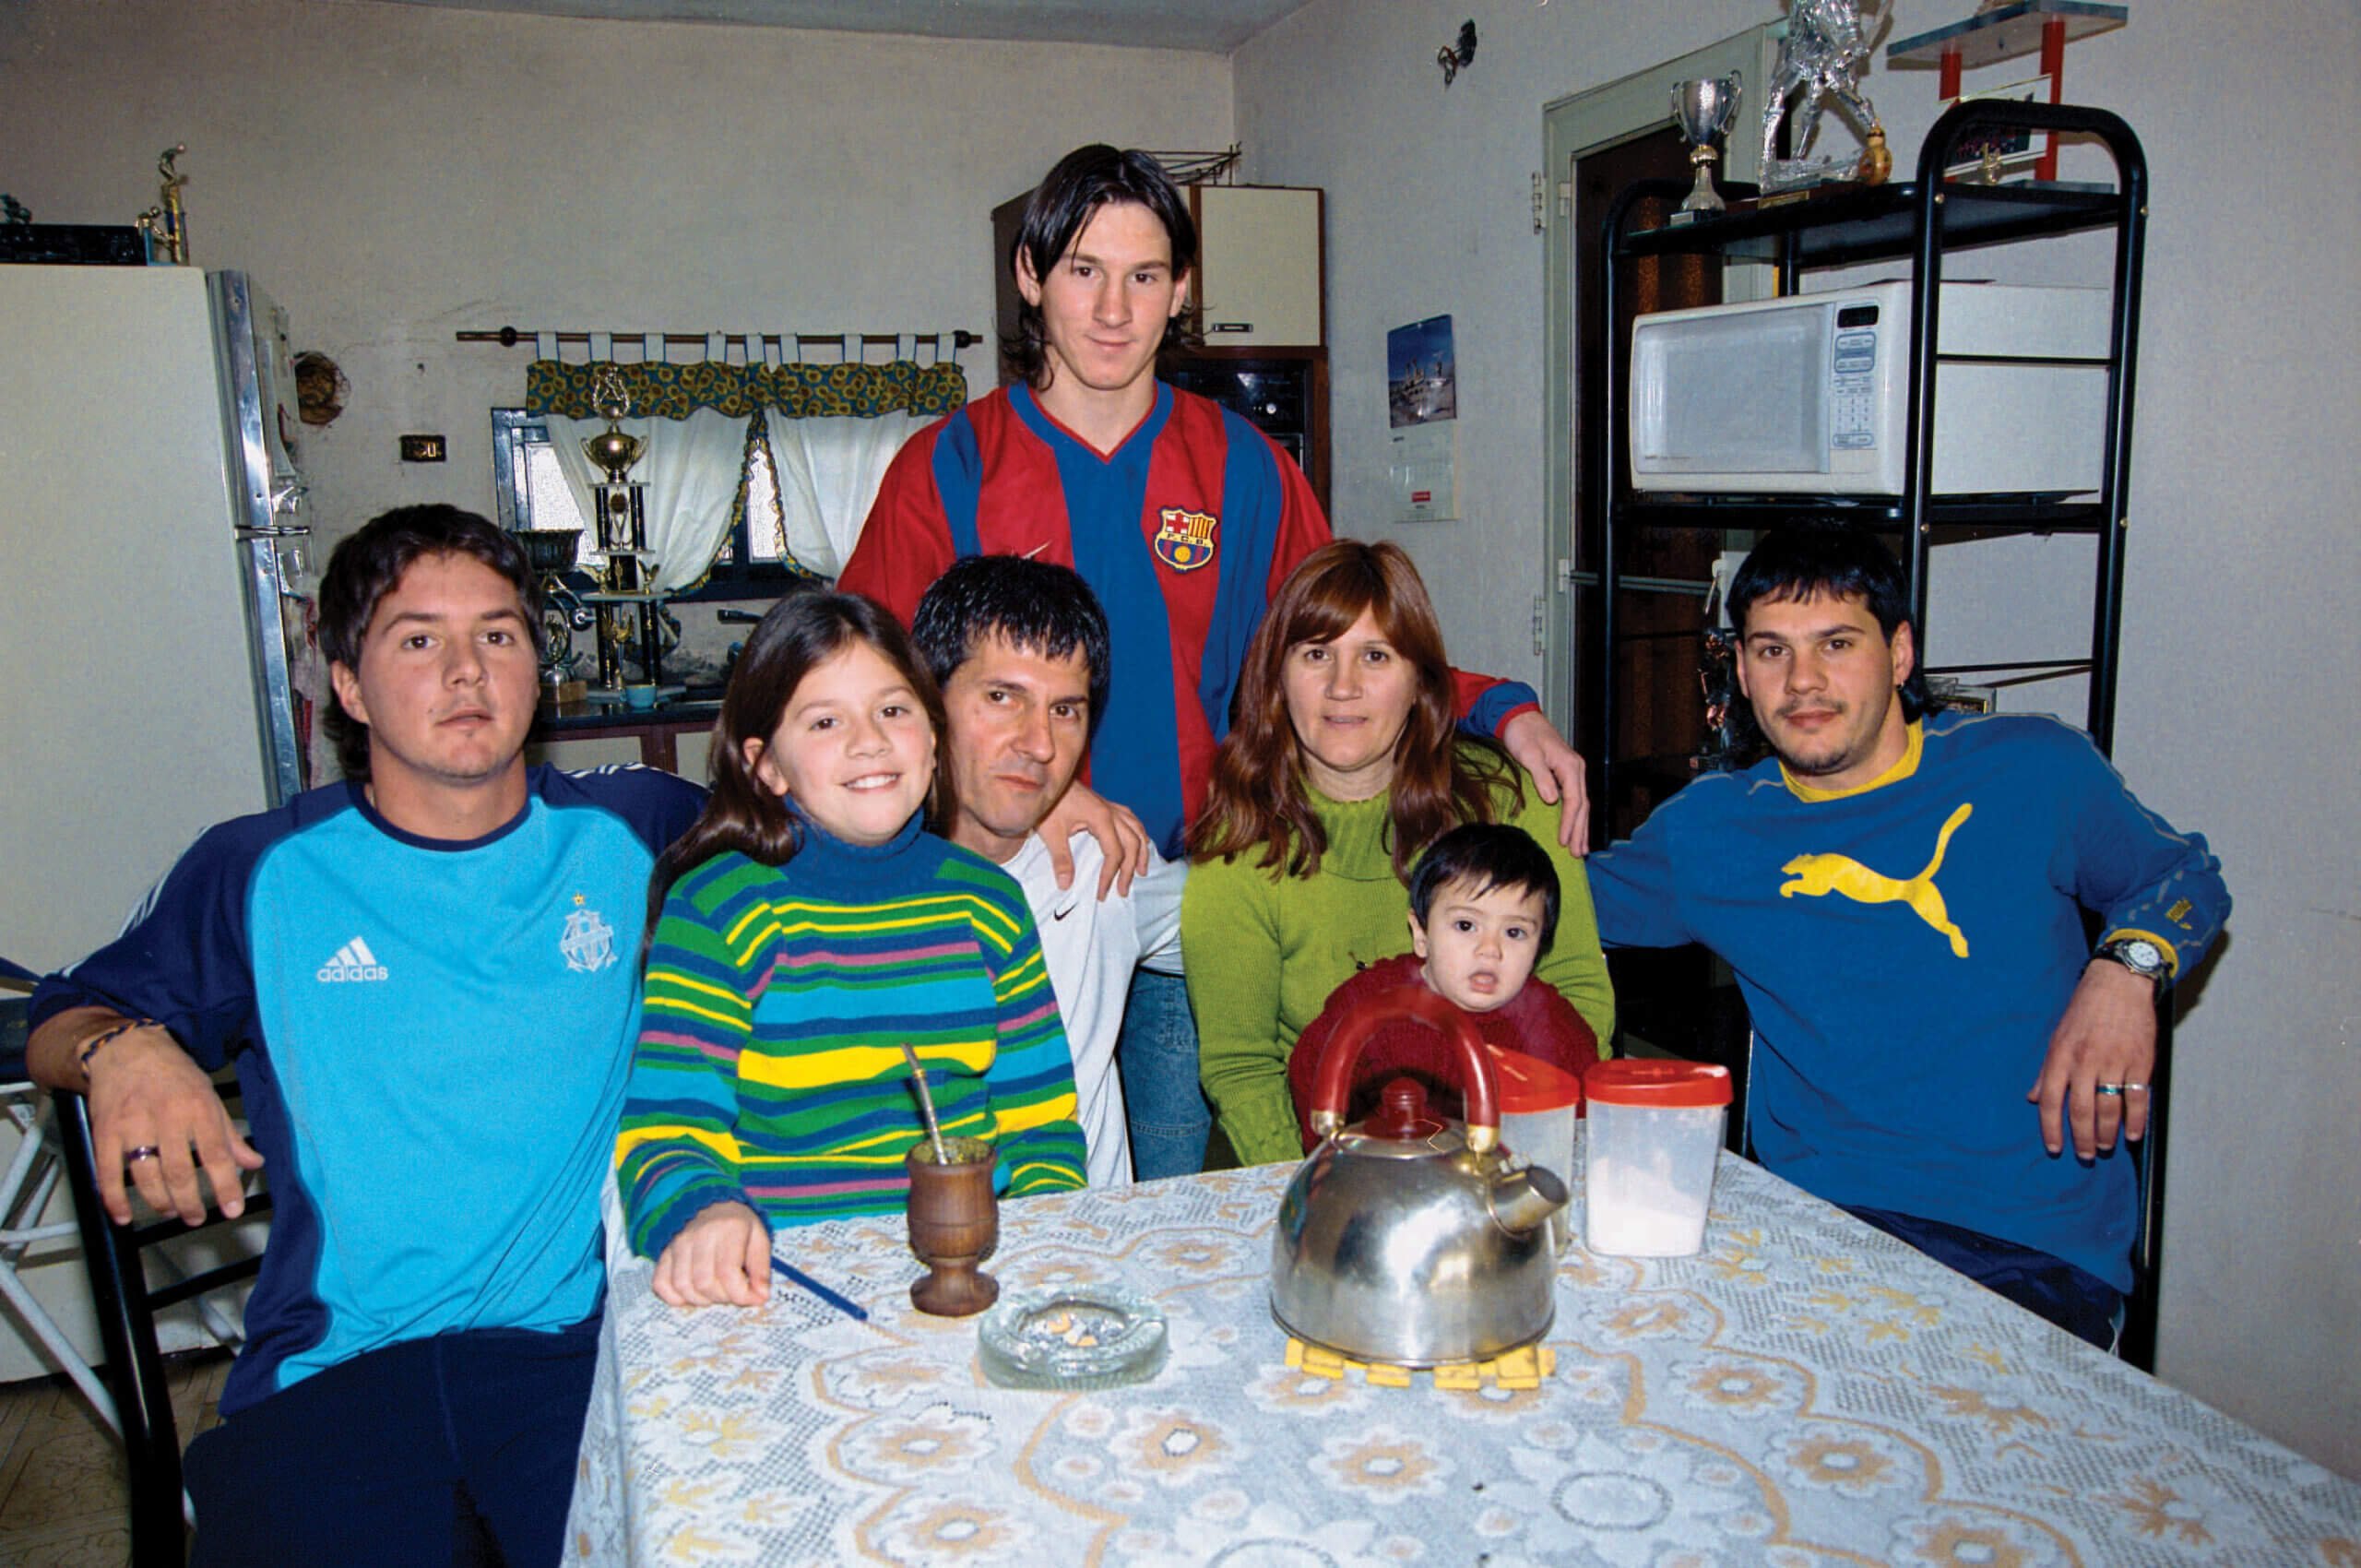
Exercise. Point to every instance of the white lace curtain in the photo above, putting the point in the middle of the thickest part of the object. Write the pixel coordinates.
(829, 471)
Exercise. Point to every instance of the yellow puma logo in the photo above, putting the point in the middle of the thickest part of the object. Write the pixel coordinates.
(1817, 876)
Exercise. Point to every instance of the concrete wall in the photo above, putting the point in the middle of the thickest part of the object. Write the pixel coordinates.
(2238, 699)
(395, 174)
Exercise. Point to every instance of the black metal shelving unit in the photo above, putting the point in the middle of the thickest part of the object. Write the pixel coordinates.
(1924, 222)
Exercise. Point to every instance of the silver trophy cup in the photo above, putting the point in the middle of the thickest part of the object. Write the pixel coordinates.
(1704, 108)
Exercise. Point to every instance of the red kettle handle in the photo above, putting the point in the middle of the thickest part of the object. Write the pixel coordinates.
(1332, 1087)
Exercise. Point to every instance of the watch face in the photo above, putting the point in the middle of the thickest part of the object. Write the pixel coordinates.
(2145, 957)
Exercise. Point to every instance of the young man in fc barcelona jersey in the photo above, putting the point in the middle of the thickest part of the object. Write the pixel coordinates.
(1182, 517)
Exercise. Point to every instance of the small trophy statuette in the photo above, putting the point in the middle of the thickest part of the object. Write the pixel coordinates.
(1704, 108)
(611, 448)
(166, 225)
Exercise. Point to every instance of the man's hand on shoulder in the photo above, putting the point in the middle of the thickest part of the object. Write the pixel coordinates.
(149, 1099)
(1558, 773)
(2107, 1035)
(1123, 842)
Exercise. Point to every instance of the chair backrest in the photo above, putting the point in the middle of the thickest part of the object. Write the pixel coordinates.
(127, 1306)
(2136, 1343)
(12, 1020)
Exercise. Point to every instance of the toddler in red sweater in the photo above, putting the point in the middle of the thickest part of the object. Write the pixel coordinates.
(1483, 910)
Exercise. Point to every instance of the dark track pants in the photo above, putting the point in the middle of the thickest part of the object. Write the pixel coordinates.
(403, 1456)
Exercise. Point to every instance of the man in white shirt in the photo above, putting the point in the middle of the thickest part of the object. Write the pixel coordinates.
(1020, 649)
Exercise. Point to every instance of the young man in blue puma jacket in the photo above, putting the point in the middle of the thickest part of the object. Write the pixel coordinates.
(1903, 897)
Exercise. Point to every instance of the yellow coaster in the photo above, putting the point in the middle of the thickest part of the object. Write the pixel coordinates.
(1523, 1369)
(1518, 1368)
(1324, 1363)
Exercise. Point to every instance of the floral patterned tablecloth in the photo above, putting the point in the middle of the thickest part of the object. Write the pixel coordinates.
(1804, 1392)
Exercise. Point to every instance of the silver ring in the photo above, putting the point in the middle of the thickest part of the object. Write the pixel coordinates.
(2110, 1089)
(2128, 1088)
(145, 1151)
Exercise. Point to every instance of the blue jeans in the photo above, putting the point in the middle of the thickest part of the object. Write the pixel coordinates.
(1163, 1103)
(2074, 1299)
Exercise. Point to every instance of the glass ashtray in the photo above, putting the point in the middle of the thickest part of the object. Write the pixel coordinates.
(1072, 1339)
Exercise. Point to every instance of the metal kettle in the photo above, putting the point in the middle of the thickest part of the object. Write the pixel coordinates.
(1407, 1238)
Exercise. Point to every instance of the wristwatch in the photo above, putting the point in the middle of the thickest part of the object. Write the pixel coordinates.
(2139, 954)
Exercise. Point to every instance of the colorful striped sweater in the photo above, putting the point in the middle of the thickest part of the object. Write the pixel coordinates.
(769, 1071)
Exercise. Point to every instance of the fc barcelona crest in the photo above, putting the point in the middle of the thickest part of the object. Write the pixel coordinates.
(1186, 541)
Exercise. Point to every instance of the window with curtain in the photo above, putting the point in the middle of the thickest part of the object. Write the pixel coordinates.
(757, 475)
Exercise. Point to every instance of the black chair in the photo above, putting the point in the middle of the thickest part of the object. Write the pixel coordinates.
(126, 1305)
(2136, 1343)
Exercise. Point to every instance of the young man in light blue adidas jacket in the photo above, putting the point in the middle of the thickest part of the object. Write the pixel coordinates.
(425, 977)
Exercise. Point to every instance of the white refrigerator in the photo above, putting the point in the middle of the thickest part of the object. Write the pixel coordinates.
(152, 629)
(152, 568)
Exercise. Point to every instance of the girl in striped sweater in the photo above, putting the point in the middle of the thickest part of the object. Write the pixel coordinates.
(803, 929)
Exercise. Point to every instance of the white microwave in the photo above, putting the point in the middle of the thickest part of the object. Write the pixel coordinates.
(1810, 393)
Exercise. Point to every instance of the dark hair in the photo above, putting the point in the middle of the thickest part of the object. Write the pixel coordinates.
(1488, 855)
(1809, 558)
(1067, 198)
(1036, 606)
(371, 563)
(1257, 793)
(802, 632)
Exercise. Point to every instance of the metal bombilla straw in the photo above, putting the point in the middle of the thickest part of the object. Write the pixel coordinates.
(926, 1104)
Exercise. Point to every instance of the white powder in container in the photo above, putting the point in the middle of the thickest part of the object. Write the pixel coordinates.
(1648, 1180)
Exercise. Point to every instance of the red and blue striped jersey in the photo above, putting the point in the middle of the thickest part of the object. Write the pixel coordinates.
(1184, 531)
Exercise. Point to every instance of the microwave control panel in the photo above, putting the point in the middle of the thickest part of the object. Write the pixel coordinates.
(1853, 380)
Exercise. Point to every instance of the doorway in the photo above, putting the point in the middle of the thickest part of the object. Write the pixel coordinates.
(1658, 704)
(1679, 1002)
(1594, 143)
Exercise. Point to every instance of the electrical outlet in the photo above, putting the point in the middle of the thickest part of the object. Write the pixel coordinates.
(425, 449)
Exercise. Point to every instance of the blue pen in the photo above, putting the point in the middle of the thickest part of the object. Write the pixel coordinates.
(789, 1272)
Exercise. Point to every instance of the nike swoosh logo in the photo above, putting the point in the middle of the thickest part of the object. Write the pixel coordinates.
(1061, 914)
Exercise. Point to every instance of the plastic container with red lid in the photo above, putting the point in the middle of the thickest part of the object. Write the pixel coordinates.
(1539, 1102)
(1655, 1131)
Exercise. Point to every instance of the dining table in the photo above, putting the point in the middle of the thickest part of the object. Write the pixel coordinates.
(1803, 1391)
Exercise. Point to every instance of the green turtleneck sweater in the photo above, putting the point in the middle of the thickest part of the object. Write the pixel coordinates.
(1263, 952)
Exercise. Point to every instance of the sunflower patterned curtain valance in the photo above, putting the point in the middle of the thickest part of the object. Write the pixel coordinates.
(661, 390)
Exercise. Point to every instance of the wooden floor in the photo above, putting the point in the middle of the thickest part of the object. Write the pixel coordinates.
(62, 1498)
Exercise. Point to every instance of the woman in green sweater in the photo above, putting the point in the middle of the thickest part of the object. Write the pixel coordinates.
(1341, 765)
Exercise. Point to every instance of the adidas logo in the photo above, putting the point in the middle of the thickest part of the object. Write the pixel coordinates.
(353, 961)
